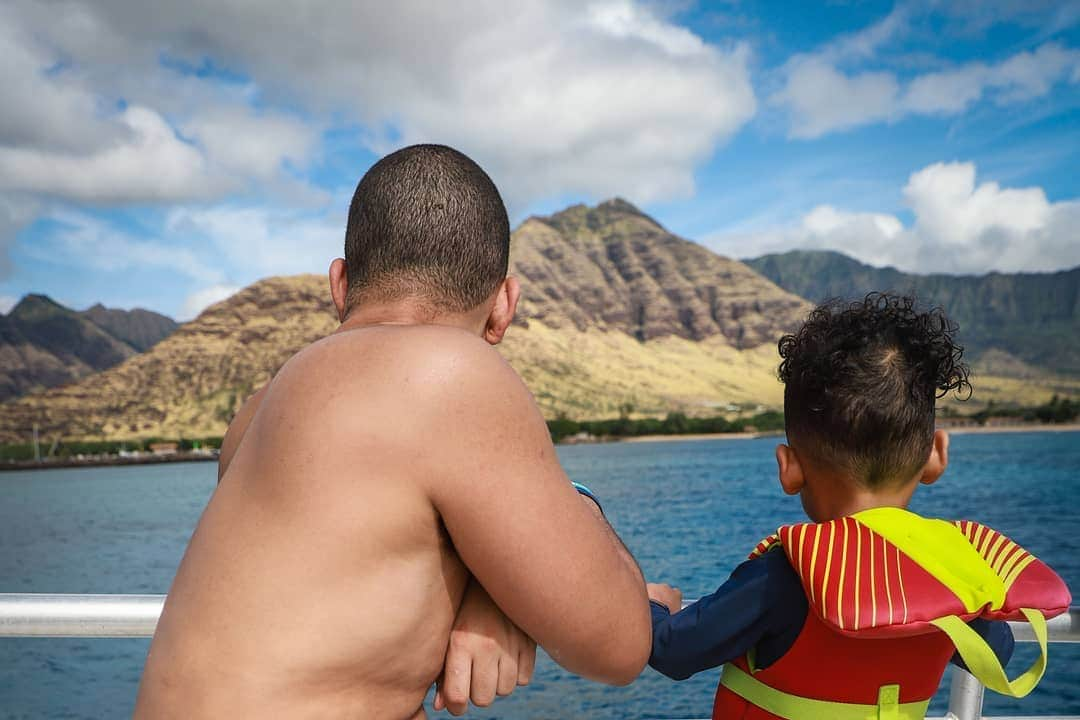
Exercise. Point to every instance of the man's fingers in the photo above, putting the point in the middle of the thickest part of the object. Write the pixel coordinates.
(438, 703)
(526, 662)
(485, 680)
(457, 674)
(508, 675)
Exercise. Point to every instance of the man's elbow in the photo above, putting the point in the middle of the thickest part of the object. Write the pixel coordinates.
(628, 654)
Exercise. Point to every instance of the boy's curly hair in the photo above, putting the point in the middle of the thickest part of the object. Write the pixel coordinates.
(861, 379)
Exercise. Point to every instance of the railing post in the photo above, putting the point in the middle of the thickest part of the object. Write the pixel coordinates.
(965, 696)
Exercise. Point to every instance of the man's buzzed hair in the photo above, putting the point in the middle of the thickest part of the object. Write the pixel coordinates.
(426, 222)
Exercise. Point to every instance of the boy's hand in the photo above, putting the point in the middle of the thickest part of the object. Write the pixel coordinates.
(666, 595)
(487, 655)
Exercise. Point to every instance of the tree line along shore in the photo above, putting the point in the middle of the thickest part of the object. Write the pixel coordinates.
(1057, 412)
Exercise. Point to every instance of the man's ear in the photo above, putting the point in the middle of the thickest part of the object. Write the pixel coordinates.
(339, 286)
(502, 312)
(939, 458)
(790, 470)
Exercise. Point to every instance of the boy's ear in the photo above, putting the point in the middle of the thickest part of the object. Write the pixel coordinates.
(502, 312)
(790, 470)
(339, 286)
(939, 458)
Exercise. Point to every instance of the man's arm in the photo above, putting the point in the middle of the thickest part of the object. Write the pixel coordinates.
(237, 428)
(545, 555)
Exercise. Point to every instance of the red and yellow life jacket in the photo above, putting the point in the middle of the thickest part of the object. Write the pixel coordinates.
(890, 594)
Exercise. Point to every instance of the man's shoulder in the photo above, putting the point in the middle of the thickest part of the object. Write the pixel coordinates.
(395, 369)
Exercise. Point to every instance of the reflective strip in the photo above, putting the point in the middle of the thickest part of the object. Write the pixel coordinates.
(813, 561)
(983, 663)
(793, 707)
(840, 582)
(873, 585)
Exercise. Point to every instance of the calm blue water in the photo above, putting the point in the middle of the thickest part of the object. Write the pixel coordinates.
(689, 511)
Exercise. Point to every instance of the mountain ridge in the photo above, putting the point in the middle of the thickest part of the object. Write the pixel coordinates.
(616, 315)
(615, 311)
(44, 344)
(1032, 317)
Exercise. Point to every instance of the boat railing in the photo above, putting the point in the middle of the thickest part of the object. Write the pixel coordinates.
(127, 616)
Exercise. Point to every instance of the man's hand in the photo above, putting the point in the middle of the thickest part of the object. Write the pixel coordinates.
(487, 655)
(666, 595)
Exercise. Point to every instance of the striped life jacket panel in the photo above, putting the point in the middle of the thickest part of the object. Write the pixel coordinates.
(889, 595)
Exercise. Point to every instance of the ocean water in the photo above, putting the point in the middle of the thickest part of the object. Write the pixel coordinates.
(689, 511)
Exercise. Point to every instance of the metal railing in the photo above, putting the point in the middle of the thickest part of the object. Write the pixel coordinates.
(124, 616)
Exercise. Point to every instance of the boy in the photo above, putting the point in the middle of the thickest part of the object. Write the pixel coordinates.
(843, 622)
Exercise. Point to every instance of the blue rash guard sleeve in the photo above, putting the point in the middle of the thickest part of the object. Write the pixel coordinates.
(762, 606)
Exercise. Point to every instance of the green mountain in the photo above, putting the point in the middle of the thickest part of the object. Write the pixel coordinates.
(1009, 323)
(44, 344)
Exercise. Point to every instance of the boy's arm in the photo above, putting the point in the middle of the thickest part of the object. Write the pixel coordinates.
(755, 603)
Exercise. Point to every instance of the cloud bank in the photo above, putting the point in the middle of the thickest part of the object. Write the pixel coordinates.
(121, 101)
(960, 226)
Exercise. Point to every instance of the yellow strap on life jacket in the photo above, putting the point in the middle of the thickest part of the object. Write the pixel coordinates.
(794, 707)
(983, 663)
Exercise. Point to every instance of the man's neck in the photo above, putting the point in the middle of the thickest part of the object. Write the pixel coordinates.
(406, 312)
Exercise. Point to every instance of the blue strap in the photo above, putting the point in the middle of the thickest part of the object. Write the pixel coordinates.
(589, 494)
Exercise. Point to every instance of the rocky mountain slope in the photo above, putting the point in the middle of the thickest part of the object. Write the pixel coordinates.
(141, 329)
(1013, 324)
(615, 311)
(44, 344)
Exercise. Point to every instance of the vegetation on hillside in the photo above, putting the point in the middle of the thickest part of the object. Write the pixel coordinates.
(20, 452)
(1057, 411)
(563, 428)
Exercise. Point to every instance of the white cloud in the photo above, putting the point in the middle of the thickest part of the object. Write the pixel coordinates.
(154, 164)
(43, 109)
(821, 98)
(264, 241)
(1024, 76)
(7, 302)
(960, 227)
(15, 214)
(198, 301)
(248, 144)
(92, 244)
(90, 114)
(551, 97)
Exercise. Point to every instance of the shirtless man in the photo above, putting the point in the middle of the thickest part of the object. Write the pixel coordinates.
(385, 469)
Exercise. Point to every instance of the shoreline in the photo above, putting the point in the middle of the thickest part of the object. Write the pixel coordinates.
(960, 430)
(107, 461)
(995, 429)
(700, 436)
(116, 461)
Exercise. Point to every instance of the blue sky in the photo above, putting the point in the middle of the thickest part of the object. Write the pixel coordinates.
(165, 157)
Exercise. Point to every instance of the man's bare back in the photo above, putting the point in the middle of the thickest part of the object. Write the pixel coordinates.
(346, 569)
(380, 470)
(339, 587)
